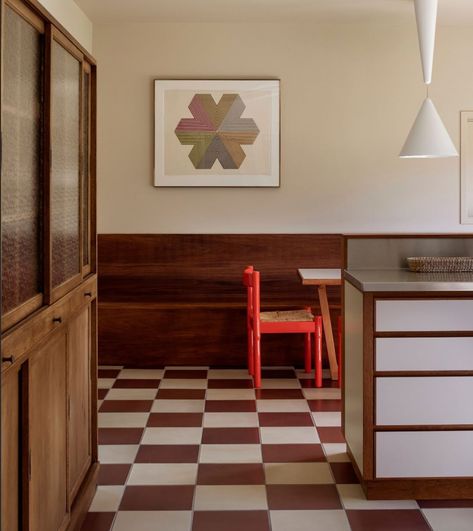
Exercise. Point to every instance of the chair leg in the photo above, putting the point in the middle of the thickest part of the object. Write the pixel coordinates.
(251, 361)
(339, 351)
(318, 351)
(308, 353)
(256, 361)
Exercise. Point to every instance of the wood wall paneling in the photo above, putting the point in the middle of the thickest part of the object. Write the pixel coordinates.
(178, 299)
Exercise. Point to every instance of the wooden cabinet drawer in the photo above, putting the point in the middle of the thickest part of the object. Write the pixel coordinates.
(424, 400)
(426, 315)
(424, 454)
(424, 354)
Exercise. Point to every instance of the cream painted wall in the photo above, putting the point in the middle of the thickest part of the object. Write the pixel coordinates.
(349, 96)
(68, 13)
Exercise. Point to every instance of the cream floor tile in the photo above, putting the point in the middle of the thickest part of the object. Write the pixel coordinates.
(228, 374)
(99, 403)
(231, 420)
(327, 418)
(291, 435)
(460, 519)
(298, 473)
(178, 406)
(172, 436)
(117, 453)
(280, 383)
(163, 474)
(282, 406)
(107, 498)
(105, 383)
(132, 394)
(142, 374)
(153, 521)
(309, 520)
(230, 453)
(352, 497)
(336, 452)
(183, 383)
(122, 420)
(230, 394)
(230, 497)
(329, 393)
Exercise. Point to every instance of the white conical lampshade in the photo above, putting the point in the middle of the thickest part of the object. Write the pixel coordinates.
(426, 17)
(428, 137)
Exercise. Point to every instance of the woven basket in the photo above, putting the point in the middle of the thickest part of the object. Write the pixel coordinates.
(427, 264)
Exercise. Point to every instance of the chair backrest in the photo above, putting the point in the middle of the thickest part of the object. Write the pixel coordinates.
(251, 279)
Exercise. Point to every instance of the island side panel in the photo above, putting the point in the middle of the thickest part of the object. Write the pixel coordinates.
(353, 396)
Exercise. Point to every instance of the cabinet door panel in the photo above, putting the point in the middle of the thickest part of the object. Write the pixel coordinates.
(79, 399)
(65, 165)
(10, 452)
(47, 437)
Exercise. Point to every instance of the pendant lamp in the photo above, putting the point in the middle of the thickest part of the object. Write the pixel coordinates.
(428, 137)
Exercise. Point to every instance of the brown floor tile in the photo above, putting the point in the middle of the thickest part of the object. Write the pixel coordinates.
(167, 453)
(126, 406)
(230, 474)
(170, 420)
(303, 497)
(325, 405)
(181, 394)
(387, 520)
(445, 504)
(309, 383)
(101, 393)
(230, 436)
(279, 394)
(190, 374)
(157, 498)
(113, 474)
(231, 406)
(120, 435)
(108, 373)
(285, 419)
(132, 383)
(98, 522)
(330, 434)
(292, 453)
(344, 473)
(278, 373)
(230, 521)
(230, 384)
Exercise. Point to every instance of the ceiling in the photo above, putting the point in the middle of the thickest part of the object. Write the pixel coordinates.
(451, 12)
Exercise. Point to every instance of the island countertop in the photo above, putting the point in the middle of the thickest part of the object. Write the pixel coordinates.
(395, 280)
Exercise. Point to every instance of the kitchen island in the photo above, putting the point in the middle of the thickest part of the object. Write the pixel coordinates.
(408, 385)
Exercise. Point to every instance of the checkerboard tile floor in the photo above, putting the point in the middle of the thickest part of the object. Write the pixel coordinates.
(198, 449)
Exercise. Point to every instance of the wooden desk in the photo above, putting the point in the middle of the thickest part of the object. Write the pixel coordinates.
(323, 278)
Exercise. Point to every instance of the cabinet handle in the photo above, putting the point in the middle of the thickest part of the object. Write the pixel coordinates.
(8, 359)
(57, 319)
(88, 294)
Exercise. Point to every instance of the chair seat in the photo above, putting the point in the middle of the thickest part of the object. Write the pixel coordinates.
(287, 316)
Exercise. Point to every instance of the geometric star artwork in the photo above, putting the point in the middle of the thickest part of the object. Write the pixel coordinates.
(216, 131)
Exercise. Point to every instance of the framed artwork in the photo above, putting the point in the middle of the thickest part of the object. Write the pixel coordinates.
(216, 133)
(467, 167)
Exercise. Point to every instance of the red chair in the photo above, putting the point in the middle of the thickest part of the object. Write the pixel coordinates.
(280, 322)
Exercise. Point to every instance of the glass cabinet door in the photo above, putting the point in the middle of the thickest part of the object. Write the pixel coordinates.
(65, 188)
(21, 182)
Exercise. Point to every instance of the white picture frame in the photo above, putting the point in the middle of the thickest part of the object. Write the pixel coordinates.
(466, 167)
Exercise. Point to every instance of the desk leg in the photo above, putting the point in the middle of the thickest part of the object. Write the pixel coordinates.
(332, 357)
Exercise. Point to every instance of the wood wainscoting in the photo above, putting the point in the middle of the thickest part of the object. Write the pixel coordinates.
(179, 299)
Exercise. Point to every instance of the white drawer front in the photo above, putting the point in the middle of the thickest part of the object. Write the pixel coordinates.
(424, 454)
(424, 400)
(424, 354)
(443, 315)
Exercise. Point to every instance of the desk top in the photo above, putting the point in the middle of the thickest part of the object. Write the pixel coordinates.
(320, 277)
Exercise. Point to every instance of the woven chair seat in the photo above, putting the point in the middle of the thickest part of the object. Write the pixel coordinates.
(287, 315)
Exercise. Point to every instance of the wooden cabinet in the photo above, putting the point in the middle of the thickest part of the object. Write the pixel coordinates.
(79, 398)
(10, 503)
(49, 285)
(48, 435)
